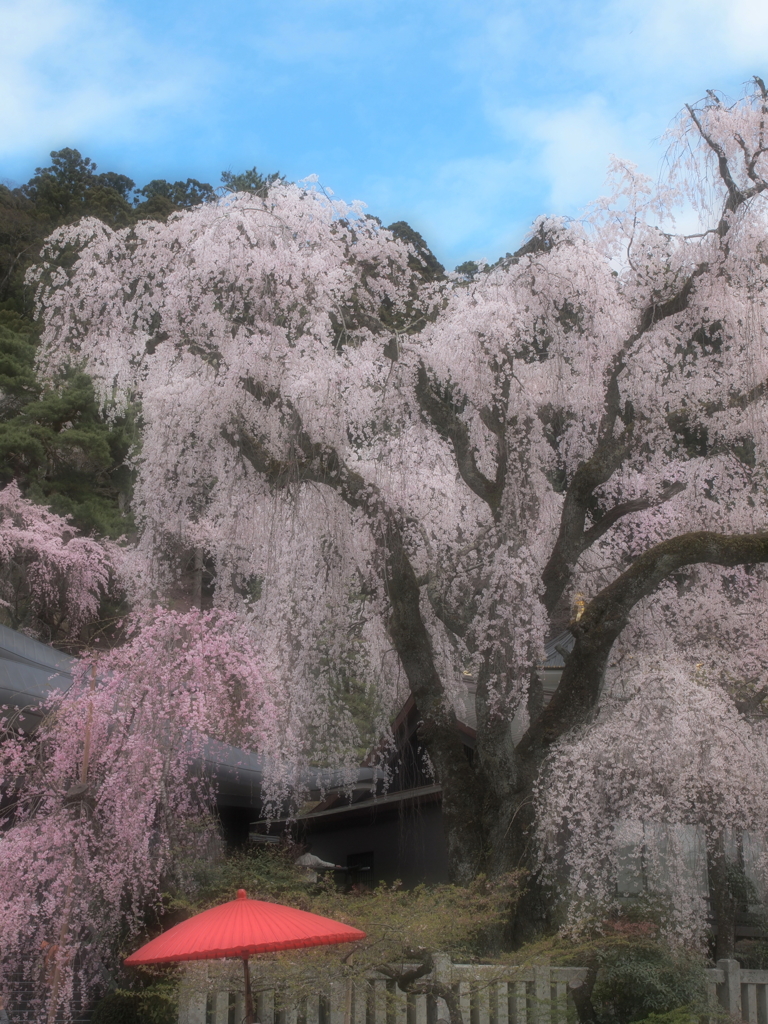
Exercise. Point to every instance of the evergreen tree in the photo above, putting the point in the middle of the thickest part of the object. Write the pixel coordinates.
(162, 198)
(249, 181)
(70, 189)
(422, 261)
(54, 440)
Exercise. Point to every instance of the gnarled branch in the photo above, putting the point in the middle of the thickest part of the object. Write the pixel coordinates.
(607, 614)
(451, 427)
(572, 539)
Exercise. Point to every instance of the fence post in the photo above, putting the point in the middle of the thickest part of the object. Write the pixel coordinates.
(195, 1010)
(501, 1003)
(291, 1009)
(193, 997)
(221, 1004)
(730, 997)
(380, 1001)
(420, 1008)
(443, 975)
(265, 1006)
(543, 994)
(483, 997)
(361, 1002)
(339, 1012)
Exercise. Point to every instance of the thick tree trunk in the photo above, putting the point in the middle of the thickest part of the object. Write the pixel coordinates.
(506, 778)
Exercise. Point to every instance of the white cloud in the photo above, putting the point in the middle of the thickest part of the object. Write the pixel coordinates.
(746, 29)
(69, 67)
(674, 35)
(569, 147)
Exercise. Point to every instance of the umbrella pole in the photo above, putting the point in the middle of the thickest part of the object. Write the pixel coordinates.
(249, 1019)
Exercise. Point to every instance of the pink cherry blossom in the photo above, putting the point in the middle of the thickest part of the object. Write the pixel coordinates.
(52, 581)
(104, 799)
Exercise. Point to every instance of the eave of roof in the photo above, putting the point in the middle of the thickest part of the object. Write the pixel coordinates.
(421, 794)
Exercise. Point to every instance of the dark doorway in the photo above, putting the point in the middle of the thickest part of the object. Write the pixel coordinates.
(360, 870)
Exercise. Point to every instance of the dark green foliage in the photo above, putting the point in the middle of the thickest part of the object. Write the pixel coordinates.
(156, 1004)
(20, 238)
(182, 194)
(55, 441)
(637, 973)
(249, 181)
(423, 262)
(60, 194)
(682, 1015)
(70, 189)
(165, 197)
(265, 873)
(468, 269)
(18, 382)
(752, 954)
(639, 978)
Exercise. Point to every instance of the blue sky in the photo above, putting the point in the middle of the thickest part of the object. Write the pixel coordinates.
(467, 119)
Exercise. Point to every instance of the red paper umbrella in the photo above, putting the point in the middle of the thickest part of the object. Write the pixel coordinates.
(241, 928)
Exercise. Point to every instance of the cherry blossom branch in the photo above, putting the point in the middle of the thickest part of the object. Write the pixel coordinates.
(626, 508)
(658, 311)
(736, 196)
(607, 457)
(607, 614)
(445, 419)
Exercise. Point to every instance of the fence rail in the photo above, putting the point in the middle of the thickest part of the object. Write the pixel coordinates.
(211, 993)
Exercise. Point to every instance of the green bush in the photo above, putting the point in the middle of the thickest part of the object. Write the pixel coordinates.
(682, 1015)
(157, 1004)
(752, 955)
(640, 977)
(643, 978)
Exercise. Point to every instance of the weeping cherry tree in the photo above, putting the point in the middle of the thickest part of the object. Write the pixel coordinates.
(397, 480)
(108, 797)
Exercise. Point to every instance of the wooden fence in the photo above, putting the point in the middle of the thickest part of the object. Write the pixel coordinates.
(212, 994)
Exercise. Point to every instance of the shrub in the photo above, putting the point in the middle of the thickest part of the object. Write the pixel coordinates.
(682, 1015)
(157, 1004)
(642, 978)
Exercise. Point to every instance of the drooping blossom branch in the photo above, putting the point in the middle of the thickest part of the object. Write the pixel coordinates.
(111, 791)
(52, 581)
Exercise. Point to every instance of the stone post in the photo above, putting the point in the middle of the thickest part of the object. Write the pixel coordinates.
(443, 975)
(730, 990)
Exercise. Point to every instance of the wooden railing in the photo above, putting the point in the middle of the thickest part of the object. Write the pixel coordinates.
(211, 993)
